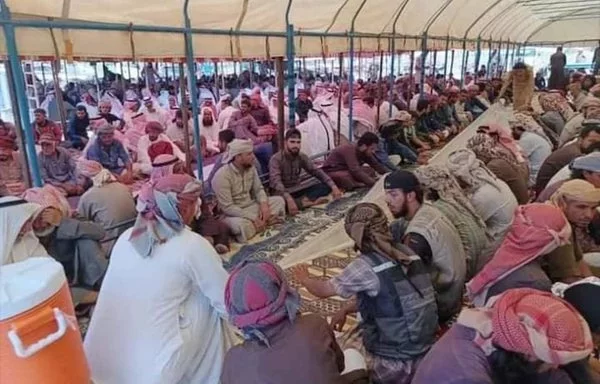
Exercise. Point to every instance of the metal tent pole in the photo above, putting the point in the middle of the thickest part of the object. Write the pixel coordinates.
(446, 57)
(339, 110)
(451, 63)
(463, 69)
(411, 77)
(478, 55)
(351, 72)
(491, 52)
(291, 84)
(505, 66)
(423, 58)
(189, 57)
(20, 94)
(280, 101)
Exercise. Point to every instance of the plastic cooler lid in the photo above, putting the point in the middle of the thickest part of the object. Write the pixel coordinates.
(25, 284)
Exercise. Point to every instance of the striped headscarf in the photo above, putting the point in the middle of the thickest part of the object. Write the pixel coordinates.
(439, 178)
(257, 296)
(529, 124)
(555, 102)
(47, 197)
(466, 167)
(537, 230)
(367, 225)
(158, 205)
(486, 149)
(533, 323)
(503, 137)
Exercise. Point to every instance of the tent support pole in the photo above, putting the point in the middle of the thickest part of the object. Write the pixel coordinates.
(20, 94)
(291, 84)
(392, 76)
(446, 57)
(451, 73)
(491, 53)
(463, 70)
(411, 77)
(280, 102)
(477, 56)
(505, 66)
(339, 110)
(18, 129)
(185, 116)
(351, 72)
(189, 57)
(423, 59)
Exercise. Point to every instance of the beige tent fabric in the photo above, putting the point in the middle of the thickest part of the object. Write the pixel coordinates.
(335, 239)
(500, 20)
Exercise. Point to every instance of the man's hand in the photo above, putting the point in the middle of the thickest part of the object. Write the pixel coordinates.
(265, 212)
(300, 273)
(259, 224)
(126, 178)
(338, 320)
(336, 193)
(291, 206)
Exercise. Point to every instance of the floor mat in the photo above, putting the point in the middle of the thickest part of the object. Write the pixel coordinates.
(294, 231)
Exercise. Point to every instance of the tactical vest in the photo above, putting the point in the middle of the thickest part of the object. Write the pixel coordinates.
(400, 322)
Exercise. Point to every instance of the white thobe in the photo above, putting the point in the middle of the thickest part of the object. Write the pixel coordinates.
(159, 319)
(160, 115)
(211, 134)
(224, 117)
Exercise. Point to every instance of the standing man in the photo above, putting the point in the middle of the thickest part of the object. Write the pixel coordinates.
(558, 61)
(247, 208)
(285, 170)
(431, 235)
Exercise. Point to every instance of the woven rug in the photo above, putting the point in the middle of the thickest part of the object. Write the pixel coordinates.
(294, 231)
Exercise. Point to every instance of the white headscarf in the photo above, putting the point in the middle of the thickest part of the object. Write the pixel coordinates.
(14, 213)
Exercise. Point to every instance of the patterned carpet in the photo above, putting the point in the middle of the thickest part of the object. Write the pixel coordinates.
(294, 231)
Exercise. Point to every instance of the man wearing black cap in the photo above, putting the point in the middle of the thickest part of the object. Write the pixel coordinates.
(431, 235)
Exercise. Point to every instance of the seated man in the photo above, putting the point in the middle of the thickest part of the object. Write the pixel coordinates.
(245, 127)
(111, 154)
(247, 208)
(42, 125)
(344, 163)
(431, 235)
(57, 167)
(537, 233)
(391, 288)
(107, 203)
(275, 343)
(72, 242)
(154, 134)
(11, 171)
(525, 336)
(285, 170)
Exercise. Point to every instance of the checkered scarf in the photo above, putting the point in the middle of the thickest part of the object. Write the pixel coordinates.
(439, 178)
(537, 229)
(367, 225)
(486, 149)
(158, 205)
(465, 166)
(533, 323)
(556, 102)
(257, 296)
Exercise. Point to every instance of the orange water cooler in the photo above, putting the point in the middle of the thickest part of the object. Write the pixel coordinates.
(40, 341)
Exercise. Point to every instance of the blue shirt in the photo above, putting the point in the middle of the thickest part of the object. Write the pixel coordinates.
(114, 158)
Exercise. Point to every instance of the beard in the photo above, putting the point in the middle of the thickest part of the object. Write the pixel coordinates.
(207, 121)
(402, 212)
(294, 151)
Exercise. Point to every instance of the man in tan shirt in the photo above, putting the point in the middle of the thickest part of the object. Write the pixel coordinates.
(247, 208)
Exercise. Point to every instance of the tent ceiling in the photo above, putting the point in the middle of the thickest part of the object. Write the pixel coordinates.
(531, 21)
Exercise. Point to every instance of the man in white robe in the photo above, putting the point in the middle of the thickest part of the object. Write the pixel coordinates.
(17, 240)
(160, 314)
(154, 112)
(154, 134)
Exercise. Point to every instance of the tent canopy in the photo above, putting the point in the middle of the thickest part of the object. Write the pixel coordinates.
(535, 22)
